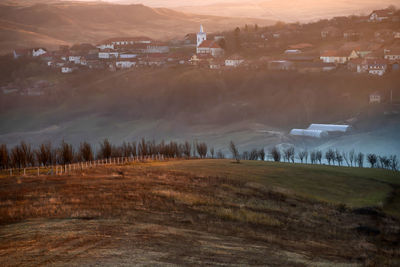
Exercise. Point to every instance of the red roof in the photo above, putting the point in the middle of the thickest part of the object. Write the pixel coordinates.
(383, 12)
(209, 44)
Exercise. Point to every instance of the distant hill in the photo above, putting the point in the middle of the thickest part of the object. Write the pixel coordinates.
(288, 10)
(52, 24)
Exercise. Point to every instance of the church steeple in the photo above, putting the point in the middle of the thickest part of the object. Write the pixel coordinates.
(201, 36)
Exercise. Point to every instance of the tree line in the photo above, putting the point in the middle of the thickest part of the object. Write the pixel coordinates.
(24, 155)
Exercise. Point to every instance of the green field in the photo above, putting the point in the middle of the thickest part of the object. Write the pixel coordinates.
(355, 187)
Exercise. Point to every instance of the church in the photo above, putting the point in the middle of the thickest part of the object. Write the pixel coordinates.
(207, 47)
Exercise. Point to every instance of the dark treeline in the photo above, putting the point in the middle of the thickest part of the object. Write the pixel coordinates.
(331, 156)
(24, 155)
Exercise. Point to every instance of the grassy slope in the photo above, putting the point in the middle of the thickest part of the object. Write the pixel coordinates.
(353, 186)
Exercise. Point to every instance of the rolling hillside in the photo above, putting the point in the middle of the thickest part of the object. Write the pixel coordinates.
(66, 23)
(252, 213)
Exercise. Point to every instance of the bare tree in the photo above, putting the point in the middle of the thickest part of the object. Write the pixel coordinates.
(220, 155)
(85, 151)
(319, 156)
(330, 156)
(338, 157)
(394, 163)
(4, 157)
(253, 155)
(212, 152)
(105, 149)
(352, 157)
(313, 157)
(66, 153)
(372, 159)
(245, 155)
(275, 154)
(234, 151)
(187, 149)
(301, 155)
(201, 149)
(142, 148)
(44, 154)
(360, 159)
(306, 156)
(261, 154)
(345, 156)
(288, 154)
(384, 162)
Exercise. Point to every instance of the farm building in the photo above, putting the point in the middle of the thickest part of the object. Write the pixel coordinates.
(309, 133)
(330, 127)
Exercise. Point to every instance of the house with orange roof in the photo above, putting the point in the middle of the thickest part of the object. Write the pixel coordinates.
(338, 56)
(380, 15)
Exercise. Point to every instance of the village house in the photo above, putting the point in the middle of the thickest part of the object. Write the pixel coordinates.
(392, 54)
(67, 69)
(38, 51)
(107, 54)
(234, 61)
(338, 56)
(380, 15)
(75, 59)
(281, 65)
(358, 65)
(126, 63)
(377, 66)
(375, 98)
(205, 46)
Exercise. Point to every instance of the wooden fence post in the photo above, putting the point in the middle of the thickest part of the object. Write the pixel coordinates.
(38, 173)
(24, 172)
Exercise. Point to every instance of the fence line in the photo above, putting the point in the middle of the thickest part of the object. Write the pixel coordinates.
(62, 169)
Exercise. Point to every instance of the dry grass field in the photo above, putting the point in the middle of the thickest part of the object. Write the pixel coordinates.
(200, 212)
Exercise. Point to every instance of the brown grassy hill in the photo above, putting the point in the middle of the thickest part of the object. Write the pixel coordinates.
(67, 23)
(200, 212)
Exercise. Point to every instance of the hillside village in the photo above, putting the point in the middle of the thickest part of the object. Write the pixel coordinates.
(367, 45)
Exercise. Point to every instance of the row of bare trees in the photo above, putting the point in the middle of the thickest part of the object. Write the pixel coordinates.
(24, 155)
(331, 156)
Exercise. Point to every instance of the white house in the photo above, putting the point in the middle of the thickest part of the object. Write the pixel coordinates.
(105, 46)
(377, 66)
(38, 52)
(127, 55)
(75, 59)
(234, 61)
(337, 56)
(126, 63)
(108, 54)
(392, 54)
(66, 69)
(380, 15)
